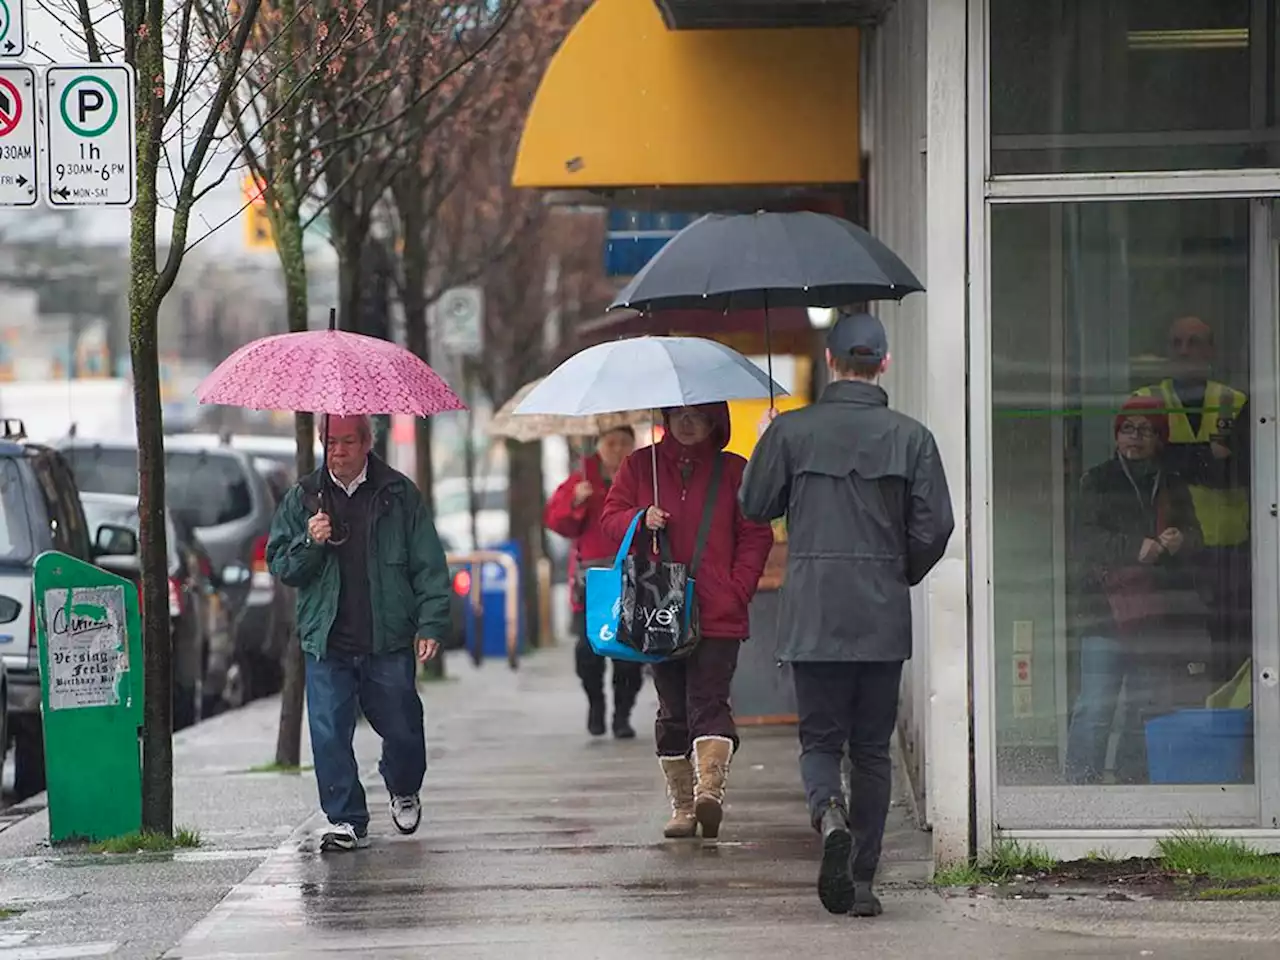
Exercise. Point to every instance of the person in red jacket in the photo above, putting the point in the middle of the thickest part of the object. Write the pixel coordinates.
(694, 715)
(574, 512)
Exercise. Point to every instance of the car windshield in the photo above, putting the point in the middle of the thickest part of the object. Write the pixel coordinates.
(209, 488)
(105, 469)
(15, 523)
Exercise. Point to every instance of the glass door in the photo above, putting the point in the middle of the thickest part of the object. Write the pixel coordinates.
(1134, 481)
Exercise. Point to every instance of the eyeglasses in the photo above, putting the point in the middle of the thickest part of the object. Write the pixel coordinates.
(1133, 430)
(690, 413)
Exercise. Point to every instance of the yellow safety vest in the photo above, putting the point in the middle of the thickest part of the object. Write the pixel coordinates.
(1223, 515)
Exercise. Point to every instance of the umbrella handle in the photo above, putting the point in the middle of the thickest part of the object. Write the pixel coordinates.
(768, 347)
(653, 455)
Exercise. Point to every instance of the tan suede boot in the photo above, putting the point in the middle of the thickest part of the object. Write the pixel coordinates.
(711, 756)
(679, 774)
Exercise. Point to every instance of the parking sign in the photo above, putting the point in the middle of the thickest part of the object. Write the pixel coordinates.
(90, 153)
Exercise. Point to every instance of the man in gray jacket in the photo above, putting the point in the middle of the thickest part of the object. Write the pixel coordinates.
(868, 515)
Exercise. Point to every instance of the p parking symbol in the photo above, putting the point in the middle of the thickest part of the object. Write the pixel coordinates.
(89, 106)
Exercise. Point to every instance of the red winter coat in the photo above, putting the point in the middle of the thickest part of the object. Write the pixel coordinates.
(736, 548)
(581, 524)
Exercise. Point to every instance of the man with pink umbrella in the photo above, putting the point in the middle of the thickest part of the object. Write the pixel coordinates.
(358, 543)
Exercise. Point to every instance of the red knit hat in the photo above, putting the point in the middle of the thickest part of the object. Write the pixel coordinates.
(1152, 409)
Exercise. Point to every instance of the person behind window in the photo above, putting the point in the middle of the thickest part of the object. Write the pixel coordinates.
(1139, 615)
(1208, 430)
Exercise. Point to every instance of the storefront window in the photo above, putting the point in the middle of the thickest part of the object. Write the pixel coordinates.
(1099, 85)
(1122, 625)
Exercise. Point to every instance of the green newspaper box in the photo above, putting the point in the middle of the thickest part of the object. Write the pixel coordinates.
(90, 636)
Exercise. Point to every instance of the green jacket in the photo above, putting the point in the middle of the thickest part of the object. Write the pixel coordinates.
(408, 575)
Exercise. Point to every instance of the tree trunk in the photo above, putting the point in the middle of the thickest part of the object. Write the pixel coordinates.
(293, 263)
(524, 486)
(144, 308)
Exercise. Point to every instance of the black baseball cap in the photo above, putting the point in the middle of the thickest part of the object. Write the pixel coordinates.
(858, 335)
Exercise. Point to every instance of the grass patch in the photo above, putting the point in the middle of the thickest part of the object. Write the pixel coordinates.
(1197, 853)
(1007, 859)
(1257, 891)
(145, 841)
(8, 913)
(280, 768)
(961, 874)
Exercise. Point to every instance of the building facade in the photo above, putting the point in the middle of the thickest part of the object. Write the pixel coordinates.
(1088, 190)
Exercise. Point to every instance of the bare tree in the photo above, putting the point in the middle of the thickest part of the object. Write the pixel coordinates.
(184, 88)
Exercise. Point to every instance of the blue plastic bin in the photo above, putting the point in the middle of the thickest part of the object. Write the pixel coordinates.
(1199, 746)
(493, 581)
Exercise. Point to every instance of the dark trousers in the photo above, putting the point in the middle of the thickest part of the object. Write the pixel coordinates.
(628, 678)
(384, 687)
(1224, 576)
(853, 704)
(693, 697)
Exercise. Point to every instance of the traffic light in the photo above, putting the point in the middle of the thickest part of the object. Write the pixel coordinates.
(257, 225)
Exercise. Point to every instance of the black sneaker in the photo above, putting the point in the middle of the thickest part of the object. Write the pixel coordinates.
(835, 880)
(865, 903)
(595, 720)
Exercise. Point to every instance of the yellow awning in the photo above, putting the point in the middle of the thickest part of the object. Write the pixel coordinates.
(627, 103)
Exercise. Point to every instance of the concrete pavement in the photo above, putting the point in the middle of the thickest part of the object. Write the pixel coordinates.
(537, 842)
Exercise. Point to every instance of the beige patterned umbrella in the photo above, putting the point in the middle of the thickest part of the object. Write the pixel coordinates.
(527, 428)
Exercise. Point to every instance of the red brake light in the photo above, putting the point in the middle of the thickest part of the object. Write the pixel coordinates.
(462, 583)
(206, 568)
(175, 597)
(260, 555)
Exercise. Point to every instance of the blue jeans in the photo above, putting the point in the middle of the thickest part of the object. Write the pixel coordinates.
(385, 687)
(1105, 666)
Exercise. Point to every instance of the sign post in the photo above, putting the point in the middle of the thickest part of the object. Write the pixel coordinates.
(90, 151)
(18, 166)
(13, 29)
(91, 678)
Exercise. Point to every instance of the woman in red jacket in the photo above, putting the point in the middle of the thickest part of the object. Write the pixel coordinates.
(574, 512)
(694, 716)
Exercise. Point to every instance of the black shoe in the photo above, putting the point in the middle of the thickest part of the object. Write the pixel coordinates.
(865, 903)
(622, 729)
(595, 719)
(835, 881)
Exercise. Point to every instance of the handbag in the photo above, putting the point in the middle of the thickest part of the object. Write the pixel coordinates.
(646, 610)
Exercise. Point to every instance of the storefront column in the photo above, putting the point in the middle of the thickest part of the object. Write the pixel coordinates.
(948, 765)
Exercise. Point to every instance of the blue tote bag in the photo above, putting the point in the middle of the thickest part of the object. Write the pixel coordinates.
(644, 610)
(605, 601)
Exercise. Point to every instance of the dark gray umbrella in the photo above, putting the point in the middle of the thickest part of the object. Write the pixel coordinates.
(762, 260)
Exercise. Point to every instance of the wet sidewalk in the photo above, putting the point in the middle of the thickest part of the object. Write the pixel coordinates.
(539, 842)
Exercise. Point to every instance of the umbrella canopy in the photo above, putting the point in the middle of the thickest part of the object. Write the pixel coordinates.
(329, 371)
(527, 428)
(764, 260)
(647, 373)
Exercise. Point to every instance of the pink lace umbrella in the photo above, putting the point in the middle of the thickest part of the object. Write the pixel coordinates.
(328, 371)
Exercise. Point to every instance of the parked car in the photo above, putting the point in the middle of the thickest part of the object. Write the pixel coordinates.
(39, 510)
(217, 492)
(201, 631)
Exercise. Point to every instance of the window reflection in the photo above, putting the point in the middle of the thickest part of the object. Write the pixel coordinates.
(1089, 85)
(1121, 462)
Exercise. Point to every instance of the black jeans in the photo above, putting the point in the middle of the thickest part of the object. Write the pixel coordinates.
(628, 678)
(853, 703)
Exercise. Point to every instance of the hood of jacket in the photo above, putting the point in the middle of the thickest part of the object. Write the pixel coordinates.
(721, 427)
